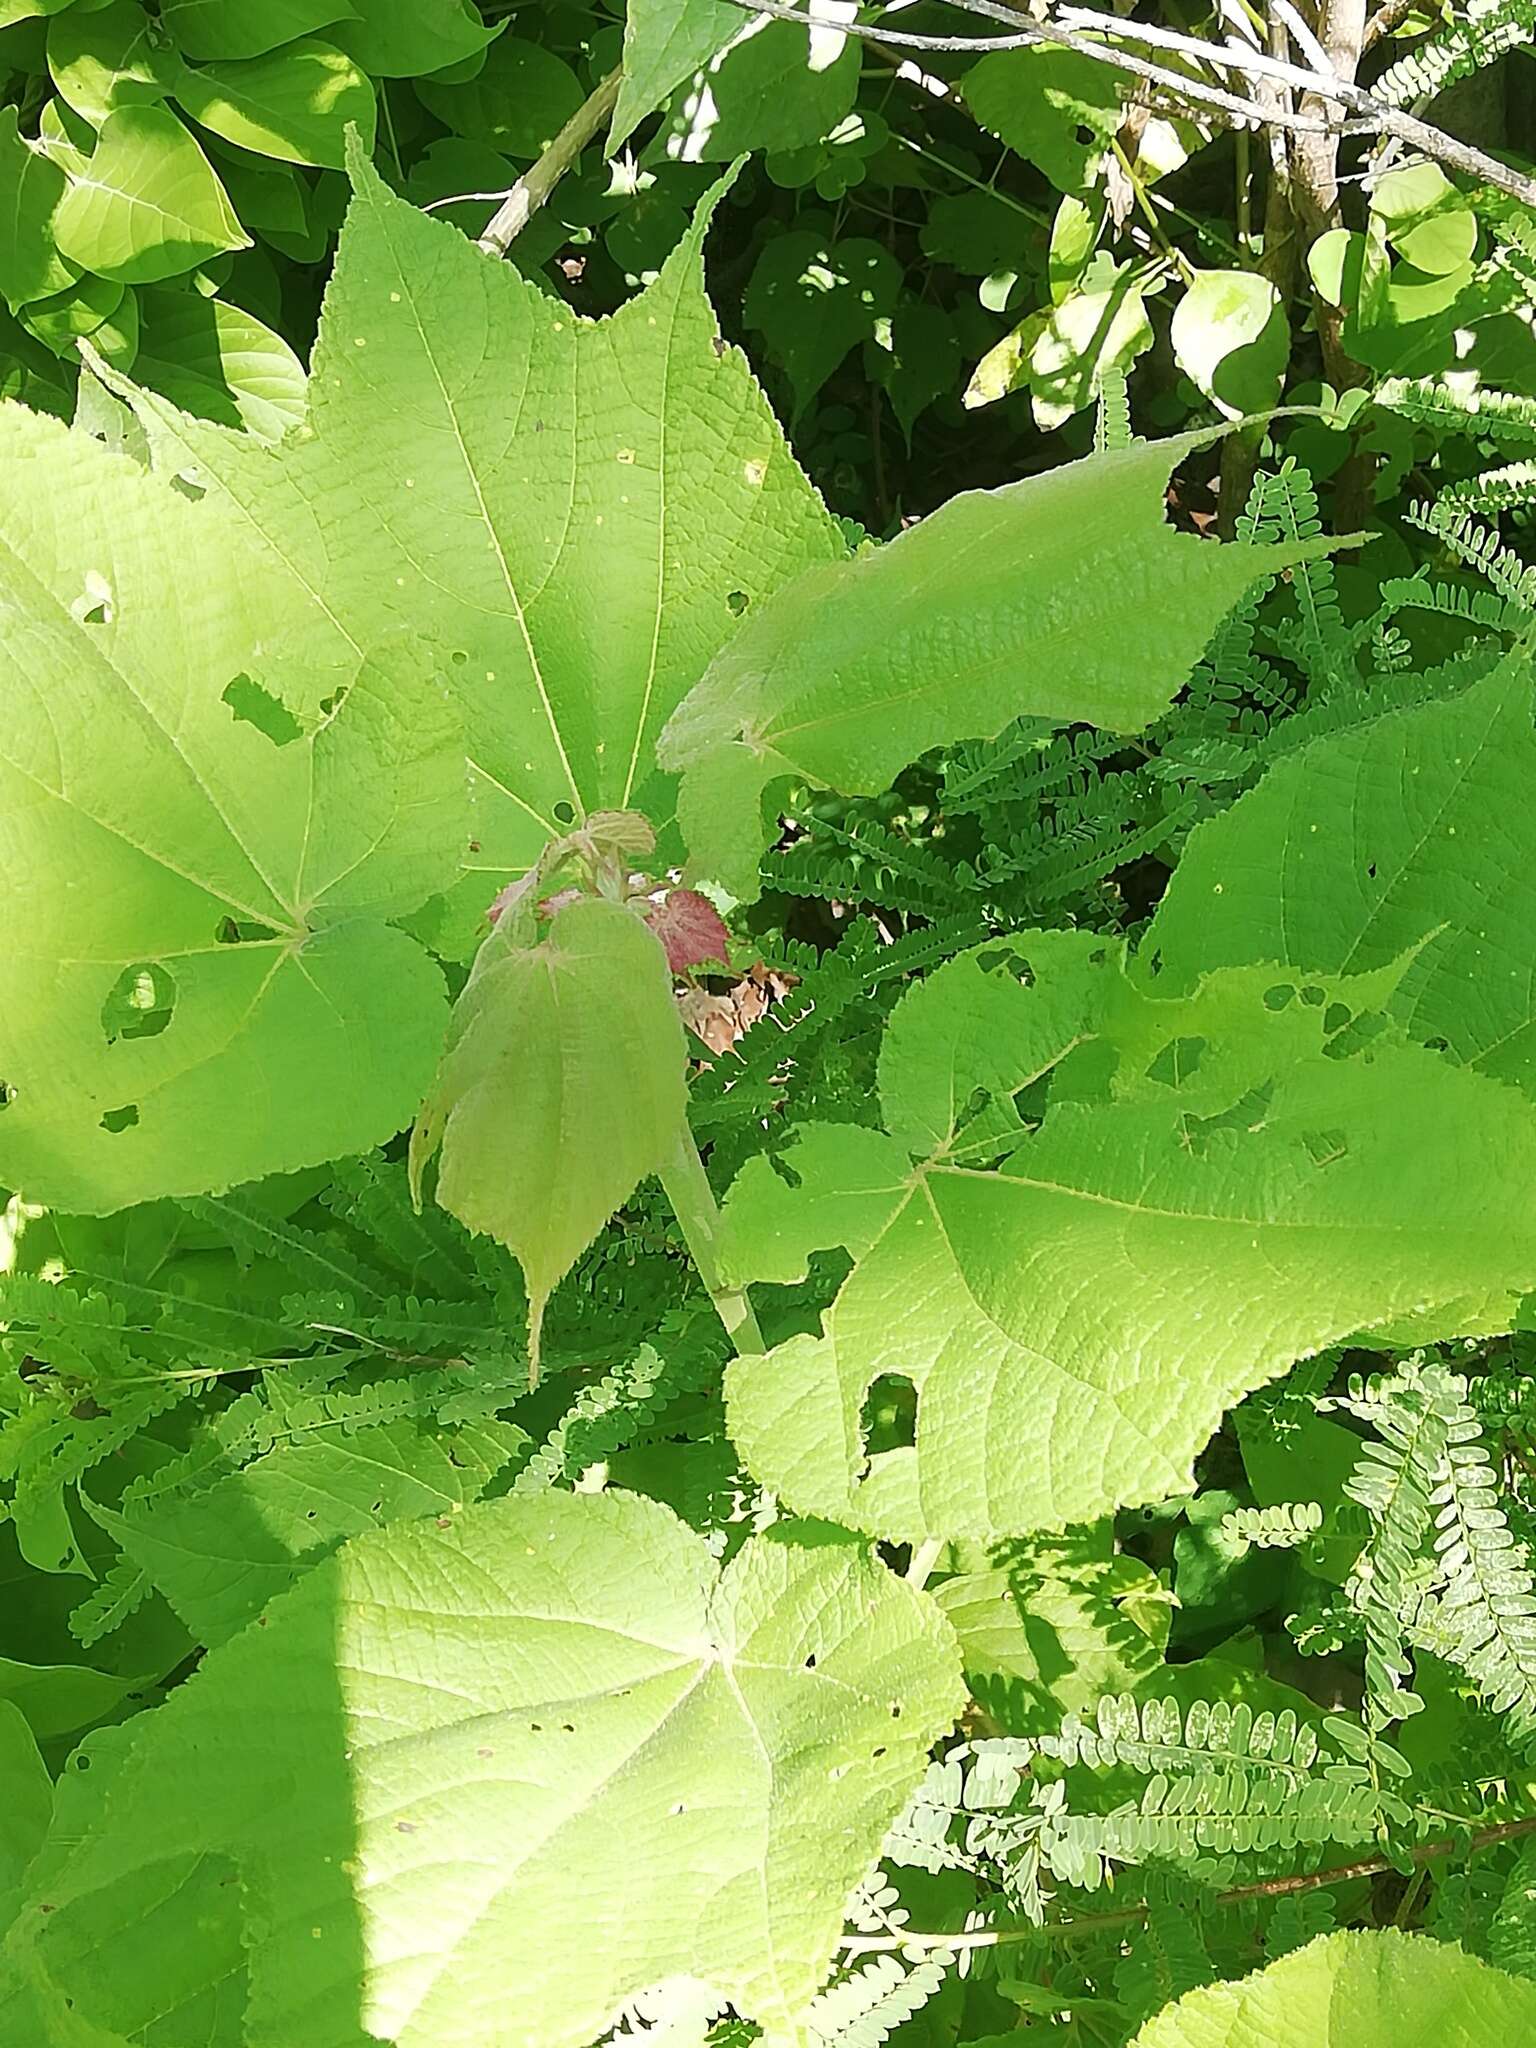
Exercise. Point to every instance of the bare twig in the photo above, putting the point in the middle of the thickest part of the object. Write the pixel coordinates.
(1174, 82)
(536, 183)
(1239, 1894)
(1335, 106)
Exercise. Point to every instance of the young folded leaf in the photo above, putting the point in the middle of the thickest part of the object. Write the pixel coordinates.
(561, 1088)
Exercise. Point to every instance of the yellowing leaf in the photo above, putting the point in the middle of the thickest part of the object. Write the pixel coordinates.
(1230, 336)
(1096, 327)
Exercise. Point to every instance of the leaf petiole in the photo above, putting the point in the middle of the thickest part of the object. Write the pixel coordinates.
(693, 1202)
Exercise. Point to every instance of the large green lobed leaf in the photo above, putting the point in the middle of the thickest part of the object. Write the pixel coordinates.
(1221, 1184)
(572, 514)
(202, 981)
(576, 510)
(485, 1779)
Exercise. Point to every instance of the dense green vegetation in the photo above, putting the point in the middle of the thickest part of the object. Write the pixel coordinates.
(767, 1025)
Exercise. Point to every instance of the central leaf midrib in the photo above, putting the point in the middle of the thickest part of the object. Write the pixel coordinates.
(408, 296)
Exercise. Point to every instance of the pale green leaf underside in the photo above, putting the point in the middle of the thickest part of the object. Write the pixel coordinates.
(499, 1773)
(1065, 596)
(1355, 1990)
(1414, 830)
(577, 510)
(561, 1088)
(145, 829)
(1211, 1195)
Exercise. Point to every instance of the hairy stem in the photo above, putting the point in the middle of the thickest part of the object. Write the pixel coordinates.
(693, 1203)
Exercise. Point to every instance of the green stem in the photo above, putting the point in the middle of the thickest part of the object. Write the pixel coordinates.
(536, 184)
(693, 1203)
(1149, 212)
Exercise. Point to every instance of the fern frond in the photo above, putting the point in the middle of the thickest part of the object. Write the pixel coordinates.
(616, 1409)
(866, 2007)
(1394, 1480)
(1028, 761)
(1285, 1526)
(52, 1446)
(1482, 35)
(1156, 1735)
(1222, 1813)
(1495, 490)
(1074, 851)
(1167, 1958)
(919, 1837)
(1512, 1929)
(280, 1410)
(313, 1261)
(1320, 643)
(1480, 548)
(1488, 414)
(753, 1086)
(1485, 1620)
(106, 1327)
(1295, 1920)
(1112, 416)
(120, 1592)
(864, 862)
(408, 1330)
(427, 1247)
